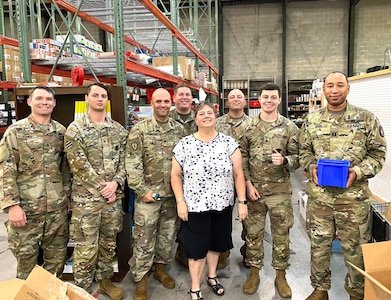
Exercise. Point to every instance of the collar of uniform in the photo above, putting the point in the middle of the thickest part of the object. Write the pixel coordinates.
(227, 117)
(176, 116)
(348, 114)
(90, 123)
(277, 122)
(35, 125)
(170, 122)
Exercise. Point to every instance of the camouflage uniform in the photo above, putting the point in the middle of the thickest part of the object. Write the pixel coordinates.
(358, 137)
(189, 125)
(96, 154)
(36, 177)
(273, 184)
(148, 166)
(227, 125)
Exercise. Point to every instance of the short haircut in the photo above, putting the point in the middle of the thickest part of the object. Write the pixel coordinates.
(182, 85)
(337, 72)
(201, 105)
(271, 87)
(42, 87)
(97, 84)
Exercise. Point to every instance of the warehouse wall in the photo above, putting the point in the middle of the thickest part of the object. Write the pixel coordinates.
(317, 38)
(372, 33)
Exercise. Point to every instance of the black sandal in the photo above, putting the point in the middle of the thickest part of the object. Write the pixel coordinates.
(216, 287)
(198, 293)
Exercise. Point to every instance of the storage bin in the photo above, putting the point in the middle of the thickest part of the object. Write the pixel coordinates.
(381, 227)
(333, 173)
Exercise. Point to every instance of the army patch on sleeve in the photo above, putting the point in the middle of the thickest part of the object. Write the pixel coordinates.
(381, 131)
(70, 133)
(4, 154)
(132, 136)
(68, 144)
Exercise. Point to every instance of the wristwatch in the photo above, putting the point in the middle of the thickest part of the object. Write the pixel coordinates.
(242, 201)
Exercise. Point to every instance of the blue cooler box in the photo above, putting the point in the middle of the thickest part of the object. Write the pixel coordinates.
(332, 172)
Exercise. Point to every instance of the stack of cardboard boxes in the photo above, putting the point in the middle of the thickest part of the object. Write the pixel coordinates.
(81, 46)
(12, 64)
(45, 49)
(185, 66)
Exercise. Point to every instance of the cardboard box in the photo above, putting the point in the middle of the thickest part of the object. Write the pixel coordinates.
(377, 262)
(41, 285)
(9, 288)
(167, 61)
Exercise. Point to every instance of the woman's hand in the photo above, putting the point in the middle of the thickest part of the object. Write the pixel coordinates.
(181, 207)
(242, 211)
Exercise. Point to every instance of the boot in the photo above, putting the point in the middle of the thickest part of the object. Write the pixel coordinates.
(107, 287)
(318, 295)
(282, 286)
(140, 292)
(354, 298)
(223, 259)
(180, 255)
(252, 282)
(243, 250)
(161, 275)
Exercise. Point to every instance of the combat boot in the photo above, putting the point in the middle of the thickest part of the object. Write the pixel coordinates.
(105, 286)
(318, 295)
(180, 255)
(140, 292)
(282, 285)
(252, 282)
(223, 259)
(161, 275)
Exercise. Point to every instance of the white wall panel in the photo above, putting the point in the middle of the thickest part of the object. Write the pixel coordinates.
(374, 94)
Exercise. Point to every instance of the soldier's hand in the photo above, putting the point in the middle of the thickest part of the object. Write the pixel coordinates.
(182, 210)
(147, 198)
(252, 192)
(17, 216)
(112, 198)
(109, 189)
(351, 177)
(277, 158)
(315, 174)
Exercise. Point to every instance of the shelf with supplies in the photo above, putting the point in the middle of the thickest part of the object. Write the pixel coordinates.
(316, 99)
(250, 89)
(298, 95)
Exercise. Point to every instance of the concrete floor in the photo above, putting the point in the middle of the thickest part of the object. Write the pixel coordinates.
(234, 275)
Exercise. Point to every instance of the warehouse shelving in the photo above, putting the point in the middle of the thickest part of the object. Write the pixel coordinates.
(250, 88)
(132, 68)
(117, 70)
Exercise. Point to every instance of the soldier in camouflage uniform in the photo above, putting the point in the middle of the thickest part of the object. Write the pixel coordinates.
(340, 131)
(35, 186)
(95, 147)
(270, 151)
(184, 115)
(148, 166)
(227, 124)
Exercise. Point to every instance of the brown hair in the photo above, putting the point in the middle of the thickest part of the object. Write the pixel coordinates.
(97, 84)
(181, 86)
(201, 105)
(42, 87)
